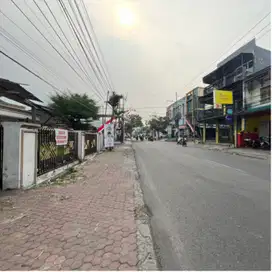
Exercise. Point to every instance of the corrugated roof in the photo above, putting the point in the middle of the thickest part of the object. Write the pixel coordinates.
(15, 91)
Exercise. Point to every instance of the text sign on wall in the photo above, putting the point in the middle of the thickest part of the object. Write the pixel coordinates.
(61, 136)
(222, 97)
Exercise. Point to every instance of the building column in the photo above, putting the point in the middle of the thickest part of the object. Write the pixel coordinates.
(243, 124)
(204, 133)
(217, 132)
(11, 155)
(235, 131)
(19, 154)
(81, 145)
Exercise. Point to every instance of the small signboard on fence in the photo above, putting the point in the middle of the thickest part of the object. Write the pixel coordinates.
(61, 136)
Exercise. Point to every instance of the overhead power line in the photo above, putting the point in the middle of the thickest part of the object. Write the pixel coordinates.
(11, 39)
(99, 51)
(67, 40)
(75, 32)
(92, 61)
(102, 73)
(61, 40)
(15, 41)
(50, 43)
(240, 39)
(42, 79)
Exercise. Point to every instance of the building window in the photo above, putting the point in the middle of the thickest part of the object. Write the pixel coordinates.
(265, 94)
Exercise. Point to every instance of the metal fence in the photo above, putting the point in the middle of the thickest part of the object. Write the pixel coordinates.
(1, 155)
(90, 143)
(52, 156)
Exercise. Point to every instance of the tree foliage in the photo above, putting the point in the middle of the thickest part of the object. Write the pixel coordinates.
(133, 120)
(158, 123)
(76, 110)
(114, 100)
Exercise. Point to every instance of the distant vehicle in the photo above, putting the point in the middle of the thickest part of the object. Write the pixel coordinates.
(150, 138)
(182, 141)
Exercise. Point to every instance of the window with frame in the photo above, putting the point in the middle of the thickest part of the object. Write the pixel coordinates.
(265, 94)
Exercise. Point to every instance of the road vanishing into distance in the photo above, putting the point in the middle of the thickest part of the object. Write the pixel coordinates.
(210, 210)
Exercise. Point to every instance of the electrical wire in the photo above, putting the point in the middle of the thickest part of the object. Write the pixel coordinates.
(43, 14)
(99, 49)
(60, 39)
(92, 62)
(42, 79)
(94, 47)
(50, 43)
(240, 39)
(67, 40)
(11, 39)
(74, 30)
(31, 53)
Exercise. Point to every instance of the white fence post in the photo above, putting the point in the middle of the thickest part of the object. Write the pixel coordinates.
(81, 145)
(19, 155)
(100, 141)
(29, 147)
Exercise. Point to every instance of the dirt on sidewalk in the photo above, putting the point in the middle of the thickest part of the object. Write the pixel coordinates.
(92, 219)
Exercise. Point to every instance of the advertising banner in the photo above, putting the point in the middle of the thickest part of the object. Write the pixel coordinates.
(61, 136)
(221, 97)
(109, 135)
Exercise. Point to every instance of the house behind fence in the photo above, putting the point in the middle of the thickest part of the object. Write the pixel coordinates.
(31, 154)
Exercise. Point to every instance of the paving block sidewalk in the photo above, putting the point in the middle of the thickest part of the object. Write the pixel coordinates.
(84, 221)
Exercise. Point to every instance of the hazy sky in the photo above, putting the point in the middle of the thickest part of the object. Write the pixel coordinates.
(152, 50)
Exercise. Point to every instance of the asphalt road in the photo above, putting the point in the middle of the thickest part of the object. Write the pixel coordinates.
(210, 210)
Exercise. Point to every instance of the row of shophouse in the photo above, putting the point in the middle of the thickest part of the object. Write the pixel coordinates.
(247, 73)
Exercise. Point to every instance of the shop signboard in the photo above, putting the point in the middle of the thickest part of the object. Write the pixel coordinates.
(222, 97)
(229, 118)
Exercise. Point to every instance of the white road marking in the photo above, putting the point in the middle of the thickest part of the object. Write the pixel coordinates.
(227, 166)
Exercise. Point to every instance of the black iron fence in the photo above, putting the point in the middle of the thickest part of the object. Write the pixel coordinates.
(52, 156)
(90, 143)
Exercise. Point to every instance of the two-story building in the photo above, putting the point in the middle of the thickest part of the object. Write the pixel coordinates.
(257, 102)
(230, 74)
(176, 112)
(193, 109)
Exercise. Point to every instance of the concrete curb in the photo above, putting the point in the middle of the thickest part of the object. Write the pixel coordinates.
(146, 253)
(254, 156)
(238, 153)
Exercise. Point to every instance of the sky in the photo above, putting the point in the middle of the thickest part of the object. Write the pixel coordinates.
(152, 49)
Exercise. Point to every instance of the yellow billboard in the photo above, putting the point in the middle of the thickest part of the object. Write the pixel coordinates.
(222, 97)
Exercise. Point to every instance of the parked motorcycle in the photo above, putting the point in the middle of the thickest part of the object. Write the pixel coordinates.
(265, 143)
(182, 141)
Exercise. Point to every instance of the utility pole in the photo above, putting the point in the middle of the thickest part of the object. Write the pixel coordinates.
(193, 113)
(123, 121)
(106, 107)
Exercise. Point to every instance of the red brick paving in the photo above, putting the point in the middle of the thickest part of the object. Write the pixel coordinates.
(87, 225)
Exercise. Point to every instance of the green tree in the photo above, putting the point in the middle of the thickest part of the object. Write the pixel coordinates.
(114, 101)
(132, 121)
(76, 110)
(158, 123)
